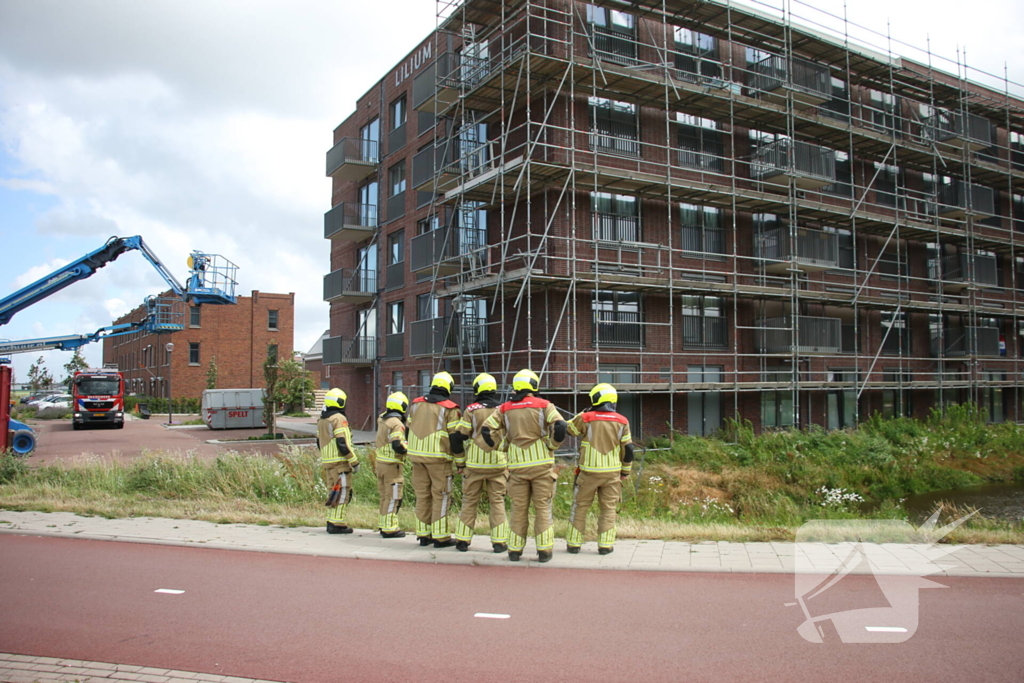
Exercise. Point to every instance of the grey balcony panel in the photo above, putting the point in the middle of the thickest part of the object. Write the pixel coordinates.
(428, 337)
(394, 275)
(350, 222)
(810, 166)
(436, 87)
(396, 138)
(958, 199)
(815, 250)
(351, 286)
(960, 271)
(394, 345)
(956, 129)
(332, 351)
(777, 77)
(396, 207)
(971, 341)
(353, 159)
(433, 169)
(812, 335)
(359, 351)
(447, 250)
(705, 332)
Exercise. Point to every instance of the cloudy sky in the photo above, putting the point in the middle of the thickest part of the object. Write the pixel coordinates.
(204, 124)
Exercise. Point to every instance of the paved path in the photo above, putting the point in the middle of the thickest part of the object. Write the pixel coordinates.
(895, 558)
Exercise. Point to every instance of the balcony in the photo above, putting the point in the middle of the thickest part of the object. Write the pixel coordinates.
(815, 250)
(394, 275)
(955, 129)
(357, 351)
(705, 332)
(428, 337)
(350, 222)
(957, 200)
(353, 159)
(618, 328)
(809, 166)
(969, 341)
(350, 286)
(436, 87)
(777, 78)
(812, 335)
(958, 274)
(434, 170)
(448, 250)
(468, 336)
(613, 46)
(394, 345)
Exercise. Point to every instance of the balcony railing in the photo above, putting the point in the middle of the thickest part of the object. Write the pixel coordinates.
(809, 165)
(704, 332)
(350, 350)
(434, 168)
(969, 341)
(815, 250)
(428, 336)
(812, 335)
(957, 129)
(353, 159)
(613, 46)
(618, 328)
(448, 250)
(957, 199)
(776, 76)
(350, 222)
(394, 345)
(615, 137)
(467, 336)
(352, 286)
(614, 228)
(957, 272)
(434, 88)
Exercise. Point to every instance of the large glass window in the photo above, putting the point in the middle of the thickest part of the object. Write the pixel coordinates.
(618, 319)
(696, 53)
(396, 178)
(704, 323)
(398, 113)
(703, 408)
(701, 229)
(895, 333)
(616, 217)
(613, 34)
(896, 400)
(427, 307)
(369, 140)
(885, 112)
(396, 248)
(614, 126)
(888, 186)
(839, 106)
(396, 317)
(842, 403)
(700, 143)
(777, 404)
(369, 195)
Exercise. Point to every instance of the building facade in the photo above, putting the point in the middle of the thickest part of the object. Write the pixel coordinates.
(235, 336)
(726, 214)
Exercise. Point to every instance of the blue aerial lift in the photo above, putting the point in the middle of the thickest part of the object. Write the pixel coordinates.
(211, 281)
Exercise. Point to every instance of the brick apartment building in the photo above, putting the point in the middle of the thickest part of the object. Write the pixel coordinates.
(236, 335)
(726, 213)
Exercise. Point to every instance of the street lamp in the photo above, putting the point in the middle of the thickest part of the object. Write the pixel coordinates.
(170, 347)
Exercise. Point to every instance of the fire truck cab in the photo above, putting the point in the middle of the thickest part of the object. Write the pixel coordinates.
(97, 398)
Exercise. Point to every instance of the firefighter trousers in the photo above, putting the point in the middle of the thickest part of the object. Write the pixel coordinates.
(474, 483)
(607, 488)
(432, 483)
(390, 482)
(337, 474)
(528, 485)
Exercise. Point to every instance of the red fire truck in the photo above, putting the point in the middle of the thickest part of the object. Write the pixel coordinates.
(97, 397)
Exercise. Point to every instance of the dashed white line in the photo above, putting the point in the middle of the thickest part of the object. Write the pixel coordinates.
(488, 615)
(885, 629)
(169, 591)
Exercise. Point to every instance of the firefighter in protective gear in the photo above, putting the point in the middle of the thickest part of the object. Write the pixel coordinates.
(391, 451)
(532, 429)
(337, 459)
(606, 458)
(432, 420)
(483, 469)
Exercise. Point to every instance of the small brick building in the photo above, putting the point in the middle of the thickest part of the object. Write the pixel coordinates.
(237, 336)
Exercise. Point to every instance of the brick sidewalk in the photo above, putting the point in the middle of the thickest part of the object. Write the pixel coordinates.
(25, 669)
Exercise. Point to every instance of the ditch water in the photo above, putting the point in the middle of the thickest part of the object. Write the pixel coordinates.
(996, 501)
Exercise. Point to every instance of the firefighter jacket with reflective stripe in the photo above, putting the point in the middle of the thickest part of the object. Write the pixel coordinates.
(390, 428)
(429, 426)
(603, 444)
(525, 426)
(477, 455)
(333, 425)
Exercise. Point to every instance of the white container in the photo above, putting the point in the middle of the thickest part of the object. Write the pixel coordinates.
(233, 408)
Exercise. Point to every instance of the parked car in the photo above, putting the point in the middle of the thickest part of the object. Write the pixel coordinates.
(57, 401)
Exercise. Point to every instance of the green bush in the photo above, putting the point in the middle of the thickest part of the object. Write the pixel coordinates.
(159, 405)
(12, 467)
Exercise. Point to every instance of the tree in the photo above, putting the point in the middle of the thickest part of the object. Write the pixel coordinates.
(270, 371)
(76, 364)
(295, 386)
(38, 376)
(211, 373)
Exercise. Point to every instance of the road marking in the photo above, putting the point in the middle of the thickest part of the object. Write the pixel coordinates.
(885, 629)
(487, 615)
(169, 591)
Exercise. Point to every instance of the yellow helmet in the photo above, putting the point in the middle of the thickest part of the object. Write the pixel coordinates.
(484, 382)
(603, 393)
(443, 380)
(335, 398)
(397, 401)
(526, 380)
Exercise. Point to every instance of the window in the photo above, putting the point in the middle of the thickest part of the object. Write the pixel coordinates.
(272, 320)
(700, 144)
(396, 179)
(992, 403)
(1017, 149)
(396, 248)
(703, 323)
(398, 113)
(427, 224)
(396, 317)
(614, 34)
(777, 405)
(369, 140)
(888, 186)
(618, 319)
(368, 198)
(704, 408)
(843, 186)
(893, 262)
(696, 53)
(885, 112)
(471, 150)
(426, 307)
(613, 127)
(193, 353)
(839, 106)
(397, 381)
(616, 217)
(895, 334)
(424, 376)
(842, 403)
(846, 247)
(702, 229)
(194, 316)
(896, 401)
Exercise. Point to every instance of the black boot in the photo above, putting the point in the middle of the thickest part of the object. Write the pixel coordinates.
(462, 546)
(499, 547)
(605, 551)
(573, 549)
(446, 543)
(544, 555)
(338, 529)
(393, 534)
(425, 540)
(514, 555)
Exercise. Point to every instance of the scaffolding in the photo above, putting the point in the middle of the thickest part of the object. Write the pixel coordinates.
(714, 202)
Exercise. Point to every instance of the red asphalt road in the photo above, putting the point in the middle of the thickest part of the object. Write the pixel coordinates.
(312, 619)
